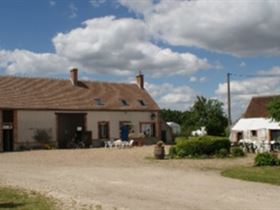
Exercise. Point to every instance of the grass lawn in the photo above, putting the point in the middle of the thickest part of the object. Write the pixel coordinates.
(266, 174)
(15, 199)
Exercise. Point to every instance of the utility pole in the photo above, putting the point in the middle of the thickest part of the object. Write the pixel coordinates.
(229, 100)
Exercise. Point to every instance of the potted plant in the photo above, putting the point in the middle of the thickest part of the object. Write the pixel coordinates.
(159, 151)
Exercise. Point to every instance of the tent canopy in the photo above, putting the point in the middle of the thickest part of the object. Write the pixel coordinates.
(255, 124)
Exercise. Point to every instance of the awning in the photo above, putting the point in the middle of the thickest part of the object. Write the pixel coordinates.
(255, 124)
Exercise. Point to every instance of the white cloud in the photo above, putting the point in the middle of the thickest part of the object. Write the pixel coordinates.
(96, 3)
(243, 90)
(138, 6)
(73, 10)
(239, 27)
(242, 64)
(106, 46)
(193, 79)
(197, 79)
(173, 97)
(52, 3)
(26, 62)
(110, 45)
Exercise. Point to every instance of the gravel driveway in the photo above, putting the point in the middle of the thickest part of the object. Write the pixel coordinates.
(125, 179)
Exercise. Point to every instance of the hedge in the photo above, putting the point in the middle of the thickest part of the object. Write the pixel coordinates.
(199, 146)
(266, 159)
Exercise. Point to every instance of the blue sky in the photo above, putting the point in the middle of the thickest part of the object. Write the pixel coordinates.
(184, 48)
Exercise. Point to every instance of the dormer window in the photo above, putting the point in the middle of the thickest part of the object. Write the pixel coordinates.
(98, 101)
(124, 102)
(141, 102)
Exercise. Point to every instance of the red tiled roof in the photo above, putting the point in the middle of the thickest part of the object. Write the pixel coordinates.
(55, 94)
(258, 107)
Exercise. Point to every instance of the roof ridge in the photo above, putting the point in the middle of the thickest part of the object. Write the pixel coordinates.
(31, 77)
(64, 79)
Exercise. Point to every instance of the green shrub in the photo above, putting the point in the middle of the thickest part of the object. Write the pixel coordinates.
(237, 152)
(172, 152)
(222, 153)
(265, 159)
(197, 146)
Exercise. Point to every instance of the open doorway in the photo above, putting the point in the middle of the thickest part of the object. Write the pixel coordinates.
(68, 124)
(7, 130)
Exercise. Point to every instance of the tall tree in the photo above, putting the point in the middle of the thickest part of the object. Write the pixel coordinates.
(172, 115)
(208, 113)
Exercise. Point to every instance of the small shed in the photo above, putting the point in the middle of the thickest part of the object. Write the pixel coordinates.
(176, 128)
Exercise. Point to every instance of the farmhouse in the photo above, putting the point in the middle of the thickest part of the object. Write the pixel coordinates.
(61, 108)
(255, 124)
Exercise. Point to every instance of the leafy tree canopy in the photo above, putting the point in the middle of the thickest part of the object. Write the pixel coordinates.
(273, 108)
(204, 112)
(169, 115)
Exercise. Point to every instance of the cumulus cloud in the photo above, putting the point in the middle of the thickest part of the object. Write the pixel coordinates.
(106, 45)
(139, 7)
(26, 62)
(170, 96)
(240, 27)
(111, 45)
(264, 83)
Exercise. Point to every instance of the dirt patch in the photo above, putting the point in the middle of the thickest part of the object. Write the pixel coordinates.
(126, 179)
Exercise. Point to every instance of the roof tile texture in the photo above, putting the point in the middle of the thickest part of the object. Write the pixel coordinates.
(258, 107)
(42, 93)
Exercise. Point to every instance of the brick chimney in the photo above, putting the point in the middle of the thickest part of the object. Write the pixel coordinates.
(74, 76)
(140, 80)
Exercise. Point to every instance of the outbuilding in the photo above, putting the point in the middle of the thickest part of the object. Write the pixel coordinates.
(255, 124)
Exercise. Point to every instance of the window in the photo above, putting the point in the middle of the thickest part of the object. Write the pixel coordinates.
(141, 102)
(254, 133)
(98, 101)
(275, 135)
(7, 116)
(148, 129)
(103, 130)
(239, 136)
(124, 102)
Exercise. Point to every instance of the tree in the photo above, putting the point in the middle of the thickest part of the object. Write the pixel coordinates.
(172, 115)
(273, 108)
(208, 113)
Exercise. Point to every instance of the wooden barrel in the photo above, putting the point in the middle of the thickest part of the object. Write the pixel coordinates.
(159, 152)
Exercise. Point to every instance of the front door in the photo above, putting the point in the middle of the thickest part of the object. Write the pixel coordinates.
(125, 127)
(8, 140)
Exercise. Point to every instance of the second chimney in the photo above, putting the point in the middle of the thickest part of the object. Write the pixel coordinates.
(140, 80)
(74, 76)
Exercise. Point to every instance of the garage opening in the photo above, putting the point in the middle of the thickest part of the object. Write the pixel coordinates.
(69, 125)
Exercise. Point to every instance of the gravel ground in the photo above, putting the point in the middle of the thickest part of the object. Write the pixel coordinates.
(128, 179)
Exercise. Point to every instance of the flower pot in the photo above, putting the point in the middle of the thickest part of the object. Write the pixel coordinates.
(159, 152)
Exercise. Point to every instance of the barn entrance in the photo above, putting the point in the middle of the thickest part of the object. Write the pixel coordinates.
(68, 125)
(8, 142)
(7, 130)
